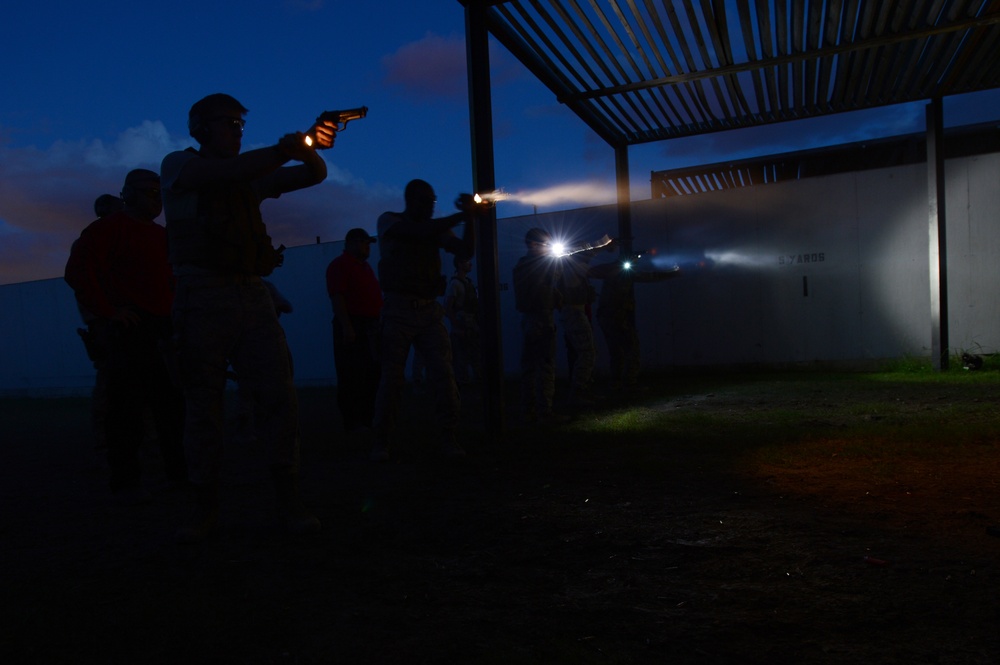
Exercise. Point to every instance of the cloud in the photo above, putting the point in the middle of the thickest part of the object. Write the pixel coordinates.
(47, 196)
(431, 67)
(434, 67)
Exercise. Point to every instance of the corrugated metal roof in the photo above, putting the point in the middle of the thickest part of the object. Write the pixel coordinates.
(638, 71)
(859, 156)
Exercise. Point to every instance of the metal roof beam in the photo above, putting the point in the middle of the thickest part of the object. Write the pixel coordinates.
(781, 60)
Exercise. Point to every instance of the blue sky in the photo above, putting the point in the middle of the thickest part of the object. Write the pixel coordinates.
(92, 90)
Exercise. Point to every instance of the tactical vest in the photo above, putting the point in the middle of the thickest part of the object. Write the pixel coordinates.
(410, 265)
(227, 235)
(470, 299)
(574, 285)
(534, 284)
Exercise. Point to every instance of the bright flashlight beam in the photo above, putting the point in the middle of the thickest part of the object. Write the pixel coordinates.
(559, 249)
(737, 259)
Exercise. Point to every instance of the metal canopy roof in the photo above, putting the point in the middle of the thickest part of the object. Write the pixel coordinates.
(638, 71)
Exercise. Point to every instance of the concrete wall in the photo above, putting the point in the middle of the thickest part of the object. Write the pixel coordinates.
(823, 269)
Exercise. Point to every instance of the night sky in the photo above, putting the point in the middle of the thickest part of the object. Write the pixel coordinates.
(92, 90)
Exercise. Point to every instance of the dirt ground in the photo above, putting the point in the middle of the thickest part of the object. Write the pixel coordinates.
(580, 543)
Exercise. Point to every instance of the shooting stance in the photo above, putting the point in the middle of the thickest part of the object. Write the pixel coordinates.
(616, 315)
(577, 296)
(536, 296)
(409, 271)
(224, 314)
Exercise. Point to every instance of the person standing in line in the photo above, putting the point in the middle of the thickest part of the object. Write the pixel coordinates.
(409, 271)
(224, 313)
(536, 296)
(104, 205)
(119, 271)
(574, 315)
(462, 309)
(616, 316)
(356, 298)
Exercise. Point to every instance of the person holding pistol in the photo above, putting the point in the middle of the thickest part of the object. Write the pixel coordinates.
(223, 313)
(409, 271)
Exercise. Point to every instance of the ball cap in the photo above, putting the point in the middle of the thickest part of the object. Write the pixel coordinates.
(537, 235)
(359, 234)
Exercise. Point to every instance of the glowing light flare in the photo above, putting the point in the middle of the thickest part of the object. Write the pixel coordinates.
(587, 193)
(558, 248)
(309, 140)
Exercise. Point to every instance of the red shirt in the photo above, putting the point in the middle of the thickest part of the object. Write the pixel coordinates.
(355, 280)
(121, 261)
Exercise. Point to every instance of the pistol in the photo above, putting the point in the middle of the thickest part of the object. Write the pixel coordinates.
(339, 119)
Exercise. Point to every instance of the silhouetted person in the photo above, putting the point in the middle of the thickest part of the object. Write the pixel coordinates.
(104, 205)
(242, 422)
(119, 271)
(356, 298)
(461, 306)
(616, 316)
(575, 316)
(536, 296)
(409, 271)
(224, 314)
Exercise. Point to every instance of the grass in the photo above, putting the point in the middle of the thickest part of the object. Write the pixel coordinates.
(714, 516)
(907, 411)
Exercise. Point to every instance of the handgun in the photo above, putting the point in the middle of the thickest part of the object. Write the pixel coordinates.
(332, 122)
(337, 120)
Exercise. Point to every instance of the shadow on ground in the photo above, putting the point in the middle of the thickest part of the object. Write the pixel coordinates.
(577, 543)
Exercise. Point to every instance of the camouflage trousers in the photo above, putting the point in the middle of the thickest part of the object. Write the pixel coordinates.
(418, 323)
(580, 339)
(538, 363)
(219, 321)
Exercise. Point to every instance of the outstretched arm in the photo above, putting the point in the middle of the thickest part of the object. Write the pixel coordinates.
(199, 172)
(655, 275)
(256, 165)
(467, 245)
(311, 171)
(409, 228)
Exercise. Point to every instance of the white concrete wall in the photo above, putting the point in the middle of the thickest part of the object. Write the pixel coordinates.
(824, 269)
